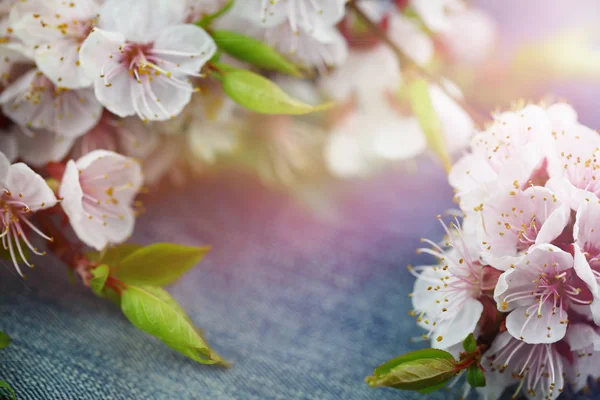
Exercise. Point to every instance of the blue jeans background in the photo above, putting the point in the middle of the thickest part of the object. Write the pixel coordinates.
(304, 308)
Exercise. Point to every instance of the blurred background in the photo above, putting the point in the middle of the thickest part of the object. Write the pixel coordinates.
(306, 288)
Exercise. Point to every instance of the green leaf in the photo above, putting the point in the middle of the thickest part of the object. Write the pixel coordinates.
(113, 255)
(254, 52)
(418, 374)
(154, 311)
(429, 120)
(415, 355)
(259, 94)
(208, 19)
(100, 275)
(4, 340)
(475, 376)
(425, 369)
(10, 389)
(159, 264)
(433, 388)
(470, 343)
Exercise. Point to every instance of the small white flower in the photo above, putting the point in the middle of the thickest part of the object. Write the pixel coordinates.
(435, 13)
(574, 164)
(98, 191)
(586, 250)
(324, 48)
(55, 30)
(39, 147)
(299, 14)
(367, 75)
(34, 102)
(538, 292)
(470, 37)
(514, 220)
(197, 9)
(366, 140)
(538, 370)
(23, 193)
(456, 123)
(510, 151)
(411, 39)
(446, 296)
(9, 145)
(141, 57)
(584, 342)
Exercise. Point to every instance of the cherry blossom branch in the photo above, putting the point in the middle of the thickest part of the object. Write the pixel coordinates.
(65, 250)
(477, 116)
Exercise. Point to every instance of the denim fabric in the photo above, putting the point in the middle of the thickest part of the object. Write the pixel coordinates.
(304, 307)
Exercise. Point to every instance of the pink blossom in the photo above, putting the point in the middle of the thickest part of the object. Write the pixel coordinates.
(513, 220)
(584, 343)
(34, 102)
(307, 15)
(39, 147)
(574, 164)
(23, 193)
(141, 61)
(435, 13)
(380, 64)
(98, 191)
(586, 250)
(445, 296)
(197, 9)
(470, 37)
(55, 30)
(513, 149)
(9, 145)
(537, 293)
(538, 369)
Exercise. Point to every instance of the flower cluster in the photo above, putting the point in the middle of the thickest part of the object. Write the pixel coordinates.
(522, 271)
(70, 70)
(101, 98)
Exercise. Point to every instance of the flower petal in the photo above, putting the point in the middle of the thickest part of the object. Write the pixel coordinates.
(43, 148)
(195, 46)
(456, 330)
(141, 22)
(28, 187)
(60, 63)
(546, 327)
(9, 146)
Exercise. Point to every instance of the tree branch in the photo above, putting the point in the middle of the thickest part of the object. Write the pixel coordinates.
(477, 117)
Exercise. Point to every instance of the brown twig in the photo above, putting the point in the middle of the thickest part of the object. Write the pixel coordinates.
(477, 117)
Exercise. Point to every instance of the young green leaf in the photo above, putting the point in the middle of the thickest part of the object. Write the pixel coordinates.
(4, 340)
(259, 94)
(433, 388)
(470, 343)
(100, 275)
(415, 355)
(429, 120)
(10, 389)
(425, 369)
(154, 311)
(475, 376)
(208, 19)
(159, 264)
(254, 52)
(420, 374)
(113, 255)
